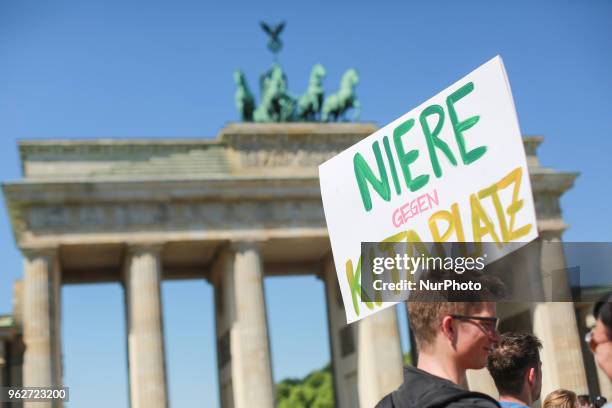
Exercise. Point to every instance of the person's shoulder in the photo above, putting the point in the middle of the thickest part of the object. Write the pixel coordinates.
(454, 397)
(474, 401)
(386, 402)
(422, 390)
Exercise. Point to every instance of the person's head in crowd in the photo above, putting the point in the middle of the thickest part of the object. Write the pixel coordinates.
(584, 401)
(599, 338)
(452, 334)
(561, 399)
(455, 330)
(516, 367)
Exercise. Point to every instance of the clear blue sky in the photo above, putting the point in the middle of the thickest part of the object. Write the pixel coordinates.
(87, 69)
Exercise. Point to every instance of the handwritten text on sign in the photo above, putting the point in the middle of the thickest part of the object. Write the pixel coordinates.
(453, 169)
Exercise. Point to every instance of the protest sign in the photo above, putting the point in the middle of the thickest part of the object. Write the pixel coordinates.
(451, 170)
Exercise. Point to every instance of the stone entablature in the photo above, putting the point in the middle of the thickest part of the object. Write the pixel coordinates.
(252, 177)
(211, 209)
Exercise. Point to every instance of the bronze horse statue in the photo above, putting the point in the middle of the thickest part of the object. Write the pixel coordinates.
(245, 102)
(311, 102)
(336, 105)
(276, 103)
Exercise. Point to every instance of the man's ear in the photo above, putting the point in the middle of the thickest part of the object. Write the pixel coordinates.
(447, 327)
(531, 376)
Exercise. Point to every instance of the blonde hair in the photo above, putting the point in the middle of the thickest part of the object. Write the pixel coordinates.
(560, 399)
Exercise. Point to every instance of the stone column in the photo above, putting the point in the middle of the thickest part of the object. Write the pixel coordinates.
(147, 365)
(555, 324)
(367, 357)
(380, 356)
(481, 381)
(343, 342)
(42, 365)
(243, 351)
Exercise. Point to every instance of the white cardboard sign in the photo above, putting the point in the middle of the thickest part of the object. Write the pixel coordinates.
(452, 169)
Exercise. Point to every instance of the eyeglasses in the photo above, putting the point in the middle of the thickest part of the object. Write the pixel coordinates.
(488, 324)
(589, 339)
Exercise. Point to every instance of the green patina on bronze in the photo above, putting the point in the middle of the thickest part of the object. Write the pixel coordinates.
(277, 104)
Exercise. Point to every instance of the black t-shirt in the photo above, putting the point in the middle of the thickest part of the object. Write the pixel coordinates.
(423, 390)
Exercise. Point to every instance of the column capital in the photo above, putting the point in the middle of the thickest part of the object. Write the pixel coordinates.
(50, 252)
(136, 248)
(552, 232)
(245, 245)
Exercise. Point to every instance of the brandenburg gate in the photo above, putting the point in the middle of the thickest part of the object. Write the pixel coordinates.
(230, 210)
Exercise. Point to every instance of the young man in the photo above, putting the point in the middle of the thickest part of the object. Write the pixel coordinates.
(516, 369)
(452, 337)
